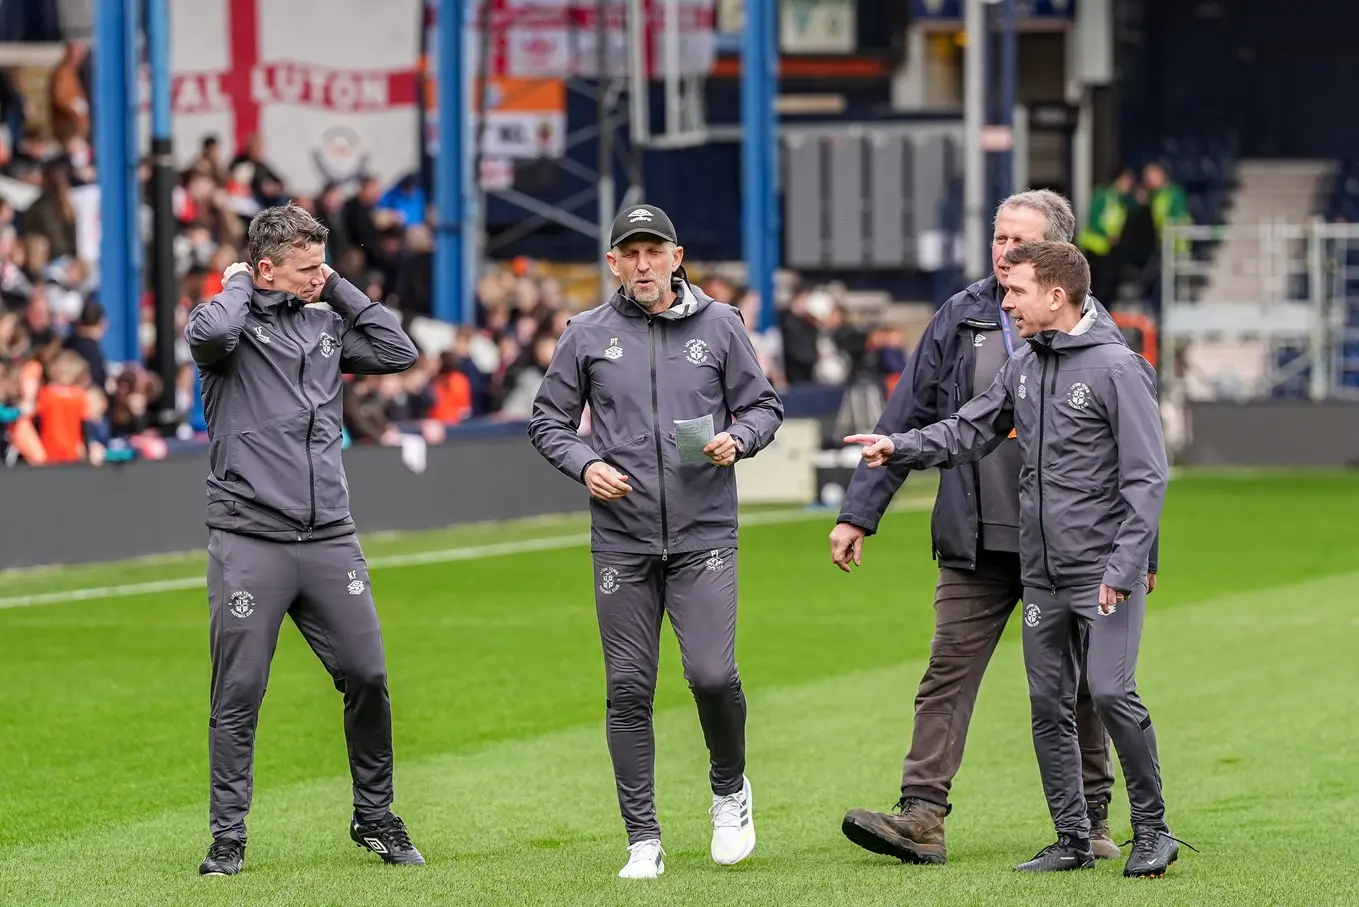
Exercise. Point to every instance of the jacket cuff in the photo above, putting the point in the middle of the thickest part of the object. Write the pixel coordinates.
(345, 298)
(744, 438)
(1114, 579)
(905, 449)
(580, 476)
(578, 459)
(867, 524)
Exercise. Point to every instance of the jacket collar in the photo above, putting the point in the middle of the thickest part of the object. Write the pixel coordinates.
(688, 301)
(1096, 328)
(983, 300)
(986, 295)
(263, 301)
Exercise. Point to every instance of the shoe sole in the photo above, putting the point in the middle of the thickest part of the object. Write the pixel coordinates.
(1078, 868)
(1161, 874)
(660, 871)
(750, 812)
(903, 850)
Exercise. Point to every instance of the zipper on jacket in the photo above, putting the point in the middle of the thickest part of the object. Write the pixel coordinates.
(1042, 424)
(660, 453)
(311, 421)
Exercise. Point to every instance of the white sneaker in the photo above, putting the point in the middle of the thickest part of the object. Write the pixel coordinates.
(733, 826)
(644, 861)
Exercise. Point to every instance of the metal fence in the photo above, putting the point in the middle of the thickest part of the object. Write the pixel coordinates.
(1261, 311)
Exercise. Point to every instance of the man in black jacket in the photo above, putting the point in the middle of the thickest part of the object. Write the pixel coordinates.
(975, 529)
(281, 539)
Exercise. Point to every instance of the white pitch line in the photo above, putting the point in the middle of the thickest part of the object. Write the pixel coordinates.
(418, 558)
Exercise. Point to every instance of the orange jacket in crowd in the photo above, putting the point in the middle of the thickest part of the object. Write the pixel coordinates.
(62, 411)
(452, 398)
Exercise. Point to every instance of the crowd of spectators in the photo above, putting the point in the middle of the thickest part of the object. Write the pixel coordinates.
(62, 402)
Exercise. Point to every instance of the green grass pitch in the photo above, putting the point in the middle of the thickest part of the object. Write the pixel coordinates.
(1250, 666)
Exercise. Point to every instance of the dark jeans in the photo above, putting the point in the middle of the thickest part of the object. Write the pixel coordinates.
(970, 612)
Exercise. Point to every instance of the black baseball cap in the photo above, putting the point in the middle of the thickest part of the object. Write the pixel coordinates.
(642, 220)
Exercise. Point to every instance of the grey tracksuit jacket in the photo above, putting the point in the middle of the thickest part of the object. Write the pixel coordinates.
(1094, 471)
(936, 384)
(639, 374)
(272, 395)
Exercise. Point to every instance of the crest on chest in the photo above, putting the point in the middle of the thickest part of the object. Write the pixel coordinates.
(697, 351)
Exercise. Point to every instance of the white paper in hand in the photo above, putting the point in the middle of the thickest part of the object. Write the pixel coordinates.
(691, 436)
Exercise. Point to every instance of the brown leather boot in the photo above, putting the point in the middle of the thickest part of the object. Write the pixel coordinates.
(913, 832)
(1101, 842)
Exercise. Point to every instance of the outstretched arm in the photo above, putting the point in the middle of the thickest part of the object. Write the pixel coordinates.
(968, 435)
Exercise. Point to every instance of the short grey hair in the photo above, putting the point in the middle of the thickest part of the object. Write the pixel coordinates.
(277, 231)
(1052, 205)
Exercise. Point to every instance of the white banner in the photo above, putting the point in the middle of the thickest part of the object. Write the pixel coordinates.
(329, 85)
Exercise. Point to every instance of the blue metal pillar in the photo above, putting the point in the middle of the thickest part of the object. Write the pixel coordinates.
(158, 58)
(472, 216)
(761, 230)
(115, 148)
(1009, 77)
(452, 302)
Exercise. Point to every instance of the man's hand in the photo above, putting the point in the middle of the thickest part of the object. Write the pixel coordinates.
(1151, 583)
(877, 448)
(721, 450)
(847, 544)
(605, 482)
(1109, 598)
(232, 270)
(326, 271)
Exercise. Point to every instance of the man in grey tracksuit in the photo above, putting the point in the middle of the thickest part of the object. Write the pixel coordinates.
(1092, 483)
(281, 539)
(663, 526)
(974, 535)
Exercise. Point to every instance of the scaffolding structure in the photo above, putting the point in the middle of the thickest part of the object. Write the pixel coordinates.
(612, 52)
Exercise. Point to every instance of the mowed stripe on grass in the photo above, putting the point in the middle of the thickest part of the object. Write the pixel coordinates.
(1258, 769)
(526, 545)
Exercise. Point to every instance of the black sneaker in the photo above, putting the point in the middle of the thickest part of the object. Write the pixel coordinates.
(388, 838)
(225, 857)
(1067, 854)
(1154, 849)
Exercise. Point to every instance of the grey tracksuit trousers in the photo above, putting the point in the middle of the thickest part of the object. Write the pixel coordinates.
(633, 593)
(1056, 628)
(323, 586)
(971, 610)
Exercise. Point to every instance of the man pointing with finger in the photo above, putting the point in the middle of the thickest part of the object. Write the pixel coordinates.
(975, 539)
(1092, 483)
(660, 364)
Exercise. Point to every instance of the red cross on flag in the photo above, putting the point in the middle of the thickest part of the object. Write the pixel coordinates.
(329, 85)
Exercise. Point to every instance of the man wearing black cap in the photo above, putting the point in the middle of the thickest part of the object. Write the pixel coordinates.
(676, 397)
